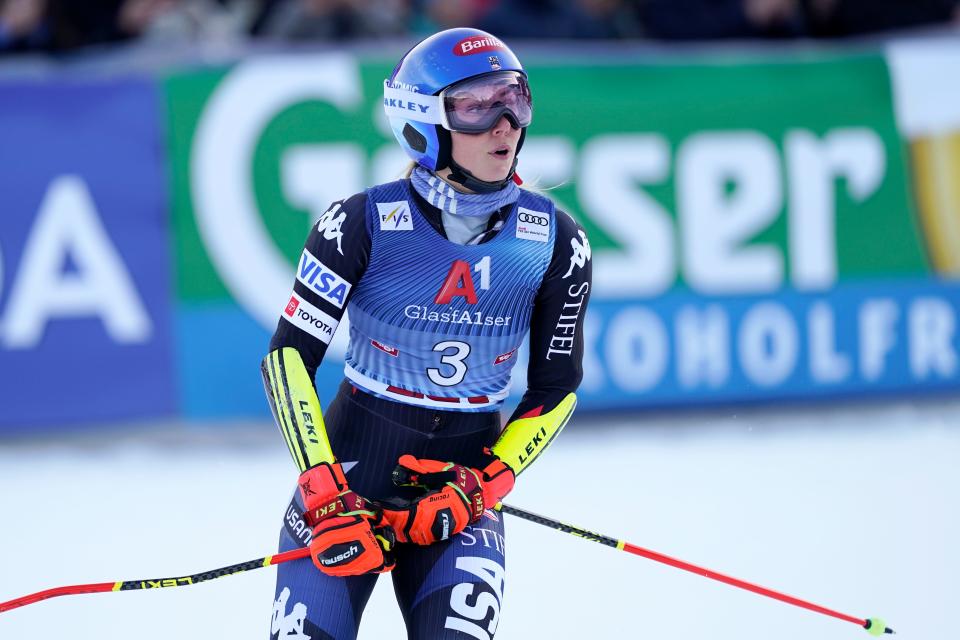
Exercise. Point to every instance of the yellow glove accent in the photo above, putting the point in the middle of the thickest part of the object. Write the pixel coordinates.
(296, 408)
(525, 438)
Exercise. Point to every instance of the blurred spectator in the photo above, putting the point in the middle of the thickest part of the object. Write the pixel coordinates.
(430, 16)
(65, 25)
(22, 24)
(181, 21)
(713, 19)
(593, 19)
(79, 23)
(331, 19)
(833, 18)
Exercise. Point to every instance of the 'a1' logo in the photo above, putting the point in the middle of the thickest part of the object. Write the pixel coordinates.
(459, 282)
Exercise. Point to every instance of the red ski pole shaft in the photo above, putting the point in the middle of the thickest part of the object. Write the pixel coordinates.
(156, 583)
(873, 625)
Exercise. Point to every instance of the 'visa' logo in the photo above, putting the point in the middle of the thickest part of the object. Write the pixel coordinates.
(322, 279)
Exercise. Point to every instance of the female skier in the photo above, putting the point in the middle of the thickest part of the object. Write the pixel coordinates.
(444, 273)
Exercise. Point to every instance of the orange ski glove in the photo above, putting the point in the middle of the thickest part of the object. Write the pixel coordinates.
(350, 534)
(456, 496)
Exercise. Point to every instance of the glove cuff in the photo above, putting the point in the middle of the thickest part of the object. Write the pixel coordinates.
(498, 480)
(320, 487)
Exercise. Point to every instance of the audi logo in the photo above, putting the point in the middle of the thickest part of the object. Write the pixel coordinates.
(532, 219)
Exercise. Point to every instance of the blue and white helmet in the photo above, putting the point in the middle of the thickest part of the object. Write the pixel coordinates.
(412, 94)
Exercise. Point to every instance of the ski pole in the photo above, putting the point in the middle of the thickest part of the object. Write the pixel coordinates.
(874, 626)
(157, 583)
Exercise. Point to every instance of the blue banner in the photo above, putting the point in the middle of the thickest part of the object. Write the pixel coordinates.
(858, 338)
(862, 338)
(85, 330)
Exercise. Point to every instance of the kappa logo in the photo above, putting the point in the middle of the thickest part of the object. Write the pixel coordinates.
(307, 317)
(322, 279)
(395, 216)
(533, 225)
(329, 225)
(288, 625)
(581, 253)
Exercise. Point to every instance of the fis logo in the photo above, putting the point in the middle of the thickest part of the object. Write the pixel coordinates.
(395, 216)
(503, 357)
(307, 317)
(322, 279)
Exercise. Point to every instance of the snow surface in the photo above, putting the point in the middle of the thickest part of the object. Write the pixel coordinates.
(853, 507)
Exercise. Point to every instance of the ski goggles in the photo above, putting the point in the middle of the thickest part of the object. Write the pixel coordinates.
(474, 105)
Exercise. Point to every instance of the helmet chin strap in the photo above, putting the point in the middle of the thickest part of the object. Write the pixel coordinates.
(462, 176)
(475, 184)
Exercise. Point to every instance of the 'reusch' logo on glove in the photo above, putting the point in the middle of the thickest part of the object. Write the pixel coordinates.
(339, 554)
(441, 524)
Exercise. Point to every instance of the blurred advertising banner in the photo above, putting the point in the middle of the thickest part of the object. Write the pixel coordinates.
(85, 332)
(767, 227)
(927, 98)
(753, 228)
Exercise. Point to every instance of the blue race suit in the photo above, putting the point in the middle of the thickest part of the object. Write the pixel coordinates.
(434, 331)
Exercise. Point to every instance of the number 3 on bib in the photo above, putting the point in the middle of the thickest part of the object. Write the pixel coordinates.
(454, 353)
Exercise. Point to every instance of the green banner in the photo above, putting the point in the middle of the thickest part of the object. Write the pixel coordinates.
(714, 180)
(728, 177)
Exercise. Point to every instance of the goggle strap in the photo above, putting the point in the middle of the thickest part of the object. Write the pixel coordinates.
(400, 103)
